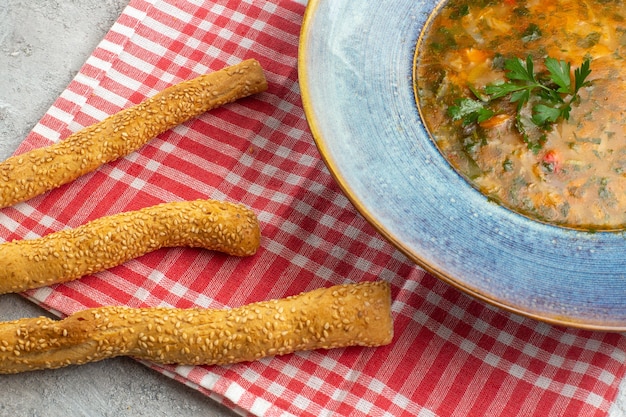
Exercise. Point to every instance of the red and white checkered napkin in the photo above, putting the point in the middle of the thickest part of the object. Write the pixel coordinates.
(451, 355)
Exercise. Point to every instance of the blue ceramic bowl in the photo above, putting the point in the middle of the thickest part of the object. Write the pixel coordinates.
(356, 76)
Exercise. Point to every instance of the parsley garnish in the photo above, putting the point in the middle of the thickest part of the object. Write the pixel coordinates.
(459, 12)
(470, 111)
(551, 97)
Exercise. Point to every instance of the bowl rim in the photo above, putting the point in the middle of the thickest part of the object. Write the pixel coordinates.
(361, 207)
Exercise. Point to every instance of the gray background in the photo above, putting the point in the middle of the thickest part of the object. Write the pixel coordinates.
(43, 44)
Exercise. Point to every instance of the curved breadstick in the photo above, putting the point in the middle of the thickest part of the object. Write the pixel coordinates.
(34, 172)
(111, 240)
(339, 316)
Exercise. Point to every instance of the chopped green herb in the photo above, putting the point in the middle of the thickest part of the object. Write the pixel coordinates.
(532, 33)
(521, 11)
(603, 191)
(589, 41)
(470, 111)
(535, 145)
(498, 61)
(446, 40)
(586, 139)
(459, 12)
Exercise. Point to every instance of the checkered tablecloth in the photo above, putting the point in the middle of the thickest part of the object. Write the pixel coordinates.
(451, 356)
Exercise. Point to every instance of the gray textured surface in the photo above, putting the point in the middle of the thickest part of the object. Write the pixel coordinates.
(43, 43)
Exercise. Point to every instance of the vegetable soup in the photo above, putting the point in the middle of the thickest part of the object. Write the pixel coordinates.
(526, 99)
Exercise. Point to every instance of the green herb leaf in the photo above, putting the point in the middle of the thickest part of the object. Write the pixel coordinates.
(532, 33)
(560, 74)
(589, 41)
(543, 114)
(495, 91)
(518, 71)
(550, 95)
(459, 12)
(470, 111)
(479, 94)
(580, 74)
(521, 97)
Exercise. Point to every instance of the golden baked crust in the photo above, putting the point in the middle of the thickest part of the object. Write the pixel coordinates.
(111, 240)
(34, 172)
(325, 318)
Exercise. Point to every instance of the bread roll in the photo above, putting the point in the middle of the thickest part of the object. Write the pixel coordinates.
(111, 240)
(34, 172)
(339, 316)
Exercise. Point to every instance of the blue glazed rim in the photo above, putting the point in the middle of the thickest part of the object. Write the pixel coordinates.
(355, 68)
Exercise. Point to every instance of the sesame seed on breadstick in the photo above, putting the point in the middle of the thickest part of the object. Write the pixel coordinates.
(34, 172)
(325, 318)
(112, 240)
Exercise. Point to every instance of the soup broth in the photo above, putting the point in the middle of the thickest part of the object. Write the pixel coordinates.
(570, 171)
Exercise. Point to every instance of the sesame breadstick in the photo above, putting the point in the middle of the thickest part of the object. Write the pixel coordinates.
(111, 240)
(339, 316)
(34, 172)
